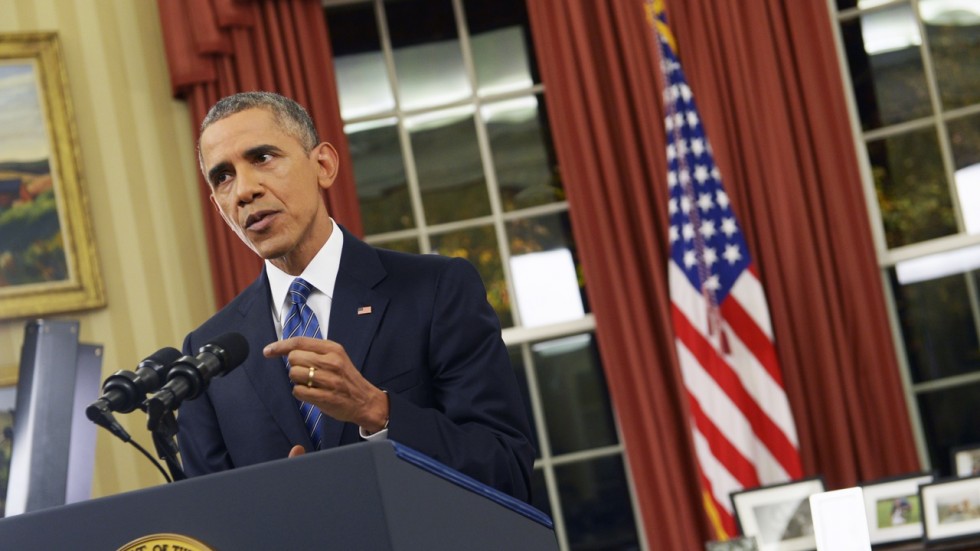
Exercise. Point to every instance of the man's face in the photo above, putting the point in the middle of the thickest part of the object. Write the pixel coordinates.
(267, 188)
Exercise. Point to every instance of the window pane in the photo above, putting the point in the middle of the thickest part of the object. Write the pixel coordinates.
(573, 394)
(479, 246)
(964, 136)
(403, 245)
(596, 504)
(949, 419)
(428, 59)
(937, 321)
(380, 175)
(546, 270)
(953, 29)
(517, 362)
(539, 493)
(913, 193)
(362, 80)
(500, 37)
(523, 156)
(886, 66)
(450, 172)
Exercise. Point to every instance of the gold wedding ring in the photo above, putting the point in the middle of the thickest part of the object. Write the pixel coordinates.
(309, 382)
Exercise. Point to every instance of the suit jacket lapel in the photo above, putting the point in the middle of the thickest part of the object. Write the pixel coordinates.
(268, 375)
(356, 310)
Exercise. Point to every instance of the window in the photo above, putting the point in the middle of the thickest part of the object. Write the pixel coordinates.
(913, 68)
(445, 116)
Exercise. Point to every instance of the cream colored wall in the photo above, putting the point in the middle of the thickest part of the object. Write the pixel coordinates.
(139, 172)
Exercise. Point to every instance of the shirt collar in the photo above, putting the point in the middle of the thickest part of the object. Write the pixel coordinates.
(321, 272)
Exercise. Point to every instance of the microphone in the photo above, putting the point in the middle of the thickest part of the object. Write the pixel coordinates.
(124, 390)
(190, 375)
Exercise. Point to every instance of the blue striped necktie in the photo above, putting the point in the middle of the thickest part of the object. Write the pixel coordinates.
(302, 322)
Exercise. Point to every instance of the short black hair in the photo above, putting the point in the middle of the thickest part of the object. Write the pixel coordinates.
(289, 115)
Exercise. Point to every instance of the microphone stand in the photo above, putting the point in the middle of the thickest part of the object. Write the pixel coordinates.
(164, 428)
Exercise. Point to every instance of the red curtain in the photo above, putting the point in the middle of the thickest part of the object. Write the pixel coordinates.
(766, 77)
(220, 47)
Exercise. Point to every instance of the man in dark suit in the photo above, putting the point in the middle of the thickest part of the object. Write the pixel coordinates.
(412, 352)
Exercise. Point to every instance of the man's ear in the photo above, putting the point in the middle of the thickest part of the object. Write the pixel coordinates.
(329, 161)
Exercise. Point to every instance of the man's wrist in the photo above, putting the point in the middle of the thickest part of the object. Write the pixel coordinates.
(382, 418)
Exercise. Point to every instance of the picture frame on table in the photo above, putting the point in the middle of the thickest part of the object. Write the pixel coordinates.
(778, 515)
(48, 259)
(740, 543)
(950, 509)
(893, 508)
(966, 460)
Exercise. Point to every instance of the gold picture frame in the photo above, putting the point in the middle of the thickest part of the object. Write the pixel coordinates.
(48, 261)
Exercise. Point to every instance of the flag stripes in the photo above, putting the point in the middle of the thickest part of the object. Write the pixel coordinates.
(742, 426)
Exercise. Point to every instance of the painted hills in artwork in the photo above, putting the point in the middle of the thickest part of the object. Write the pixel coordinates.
(31, 245)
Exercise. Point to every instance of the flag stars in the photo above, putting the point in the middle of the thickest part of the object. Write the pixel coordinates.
(692, 119)
(685, 204)
(672, 206)
(681, 148)
(697, 147)
(715, 173)
(686, 92)
(671, 152)
(678, 119)
(713, 283)
(685, 177)
(729, 227)
(732, 253)
(708, 229)
(705, 203)
(671, 179)
(688, 231)
(674, 234)
(690, 259)
(722, 199)
(710, 256)
(701, 174)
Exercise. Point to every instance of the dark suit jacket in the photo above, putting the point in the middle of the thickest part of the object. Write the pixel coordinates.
(431, 340)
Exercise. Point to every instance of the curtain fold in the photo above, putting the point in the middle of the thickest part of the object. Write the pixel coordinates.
(766, 77)
(599, 66)
(220, 47)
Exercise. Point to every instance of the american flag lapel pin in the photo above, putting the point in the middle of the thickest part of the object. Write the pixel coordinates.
(363, 310)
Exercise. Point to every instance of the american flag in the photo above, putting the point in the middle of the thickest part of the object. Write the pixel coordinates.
(743, 429)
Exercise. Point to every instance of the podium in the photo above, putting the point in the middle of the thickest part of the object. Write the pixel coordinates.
(372, 495)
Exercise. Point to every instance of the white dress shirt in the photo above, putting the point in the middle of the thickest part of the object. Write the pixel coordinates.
(321, 273)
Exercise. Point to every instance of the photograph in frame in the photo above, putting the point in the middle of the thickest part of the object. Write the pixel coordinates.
(966, 460)
(893, 508)
(47, 255)
(951, 509)
(778, 515)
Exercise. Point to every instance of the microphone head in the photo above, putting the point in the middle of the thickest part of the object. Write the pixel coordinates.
(160, 362)
(161, 358)
(231, 349)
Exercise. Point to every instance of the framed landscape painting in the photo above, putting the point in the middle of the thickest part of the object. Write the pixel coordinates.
(48, 260)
